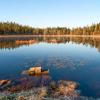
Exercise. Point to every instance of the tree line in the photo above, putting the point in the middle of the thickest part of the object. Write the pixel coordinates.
(12, 28)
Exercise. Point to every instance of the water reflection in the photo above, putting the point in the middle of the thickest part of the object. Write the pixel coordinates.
(68, 58)
(15, 42)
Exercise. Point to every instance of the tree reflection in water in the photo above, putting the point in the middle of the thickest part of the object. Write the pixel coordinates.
(15, 42)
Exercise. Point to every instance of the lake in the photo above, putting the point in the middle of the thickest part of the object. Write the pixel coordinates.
(67, 58)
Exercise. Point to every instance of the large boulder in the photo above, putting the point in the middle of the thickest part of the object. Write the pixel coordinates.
(4, 82)
(35, 70)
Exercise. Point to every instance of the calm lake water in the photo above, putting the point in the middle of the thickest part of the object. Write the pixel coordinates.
(75, 59)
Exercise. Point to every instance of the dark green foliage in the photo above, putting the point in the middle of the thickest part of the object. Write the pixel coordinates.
(9, 28)
(14, 29)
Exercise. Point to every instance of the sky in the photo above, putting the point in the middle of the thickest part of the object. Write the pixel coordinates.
(50, 13)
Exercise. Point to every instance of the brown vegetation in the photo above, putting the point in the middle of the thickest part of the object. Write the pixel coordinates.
(26, 41)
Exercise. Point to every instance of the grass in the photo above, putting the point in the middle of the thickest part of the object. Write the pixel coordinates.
(62, 90)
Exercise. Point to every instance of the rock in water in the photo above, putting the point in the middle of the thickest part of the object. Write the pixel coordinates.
(4, 82)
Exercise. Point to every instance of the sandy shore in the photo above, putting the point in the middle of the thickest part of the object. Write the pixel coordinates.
(9, 36)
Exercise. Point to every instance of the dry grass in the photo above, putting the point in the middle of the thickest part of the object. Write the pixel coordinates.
(62, 90)
(34, 94)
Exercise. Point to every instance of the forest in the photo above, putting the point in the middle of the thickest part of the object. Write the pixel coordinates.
(12, 28)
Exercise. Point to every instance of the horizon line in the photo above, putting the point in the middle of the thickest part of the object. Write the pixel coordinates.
(88, 25)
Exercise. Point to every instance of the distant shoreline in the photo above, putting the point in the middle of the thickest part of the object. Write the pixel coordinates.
(11, 36)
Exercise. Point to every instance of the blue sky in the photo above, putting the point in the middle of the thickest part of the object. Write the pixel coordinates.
(51, 13)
